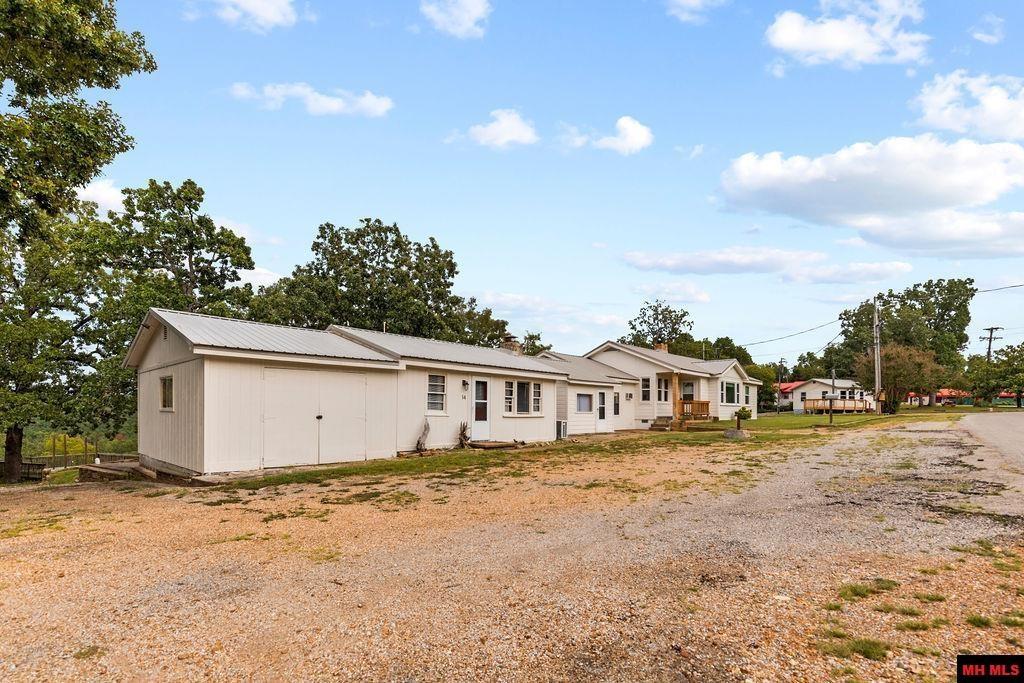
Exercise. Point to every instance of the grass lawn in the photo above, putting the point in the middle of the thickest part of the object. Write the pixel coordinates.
(770, 422)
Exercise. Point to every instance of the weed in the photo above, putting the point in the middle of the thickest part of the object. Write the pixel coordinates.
(889, 608)
(89, 651)
(1015, 622)
(250, 536)
(865, 647)
(857, 591)
(926, 651)
(978, 621)
(834, 632)
(930, 597)
(833, 607)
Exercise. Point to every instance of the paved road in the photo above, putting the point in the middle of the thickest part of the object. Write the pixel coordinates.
(1003, 431)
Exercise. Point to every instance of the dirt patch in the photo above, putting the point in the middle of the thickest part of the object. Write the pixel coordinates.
(876, 553)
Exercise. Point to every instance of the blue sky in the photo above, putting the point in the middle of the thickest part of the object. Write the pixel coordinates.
(762, 164)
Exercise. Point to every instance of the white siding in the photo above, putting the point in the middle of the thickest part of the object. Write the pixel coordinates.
(444, 427)
(727, 411)
(631, 365)
(586, 422)
(174, 437)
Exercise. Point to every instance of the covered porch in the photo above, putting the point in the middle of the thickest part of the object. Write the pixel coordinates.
(682, 398)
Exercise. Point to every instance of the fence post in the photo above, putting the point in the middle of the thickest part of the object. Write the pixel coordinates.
(65, 450)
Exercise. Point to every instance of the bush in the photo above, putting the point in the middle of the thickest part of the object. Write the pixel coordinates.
(743, 414)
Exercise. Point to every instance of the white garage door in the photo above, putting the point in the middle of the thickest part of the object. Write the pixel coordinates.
(313, 416)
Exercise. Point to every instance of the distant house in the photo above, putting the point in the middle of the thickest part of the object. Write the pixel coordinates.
(679, 387)
(798, 393)
(785, 390)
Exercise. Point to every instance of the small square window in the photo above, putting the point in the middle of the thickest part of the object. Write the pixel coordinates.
(510, 396)
(645, 389)
(523, 398)
(167, 393)
(584, 403)
(536, 397)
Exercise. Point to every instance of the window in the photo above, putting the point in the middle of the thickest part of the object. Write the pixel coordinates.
(584, 403)
(746, 394)
(662, 390)
(688, 393)
(862, 395)
(536, 397)
(645, 389)
(730, 393)
(435, 392)
(615, 403)
(523, 398)
(785, 395)
(601, 405)
(167, 393)
(824, 394)
(803, 396)
(510, 396)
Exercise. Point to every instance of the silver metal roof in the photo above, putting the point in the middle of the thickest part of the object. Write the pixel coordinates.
(683, 363)
(582, 369)
(449, 352)
(228, 333)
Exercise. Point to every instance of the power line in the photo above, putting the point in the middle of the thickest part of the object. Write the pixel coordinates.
(829, 343)
(997, 289)
(765, 341)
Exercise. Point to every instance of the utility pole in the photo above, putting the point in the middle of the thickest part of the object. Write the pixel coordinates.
(778, 393)
(878, 360)
(990, 338)
(832, 396)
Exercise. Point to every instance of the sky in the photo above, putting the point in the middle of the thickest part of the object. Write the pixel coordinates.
(761, 164)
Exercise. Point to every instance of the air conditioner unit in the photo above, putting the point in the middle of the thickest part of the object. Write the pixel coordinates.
(561, 429)
(629, 396)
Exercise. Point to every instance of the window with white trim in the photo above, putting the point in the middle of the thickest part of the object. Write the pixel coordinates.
(167, 393)
(688, 392)
(510, 396)
(746, 394)
(645, 389)
(584, 403)
(436, 392)
(615, 403)
(730, 393)
(536, 397)
(662, 389)
(803, 396)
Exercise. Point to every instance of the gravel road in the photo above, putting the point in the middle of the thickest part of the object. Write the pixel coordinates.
(670, 563)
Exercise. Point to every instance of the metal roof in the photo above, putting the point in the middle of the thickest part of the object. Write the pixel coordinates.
(583, 369)
(450, 352)
(684, 363)
(228, 333)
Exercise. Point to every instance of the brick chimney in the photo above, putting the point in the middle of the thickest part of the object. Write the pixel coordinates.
(511, 344)
(661, 346)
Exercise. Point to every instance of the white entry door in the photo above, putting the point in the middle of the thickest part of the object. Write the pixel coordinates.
(343, 421)
(602, 410)
(481, 410)
(291, 402)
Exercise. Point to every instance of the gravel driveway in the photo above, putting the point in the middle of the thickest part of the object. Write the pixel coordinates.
(788, 561)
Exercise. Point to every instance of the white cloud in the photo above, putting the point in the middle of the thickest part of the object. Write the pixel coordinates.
(847, 273)
(274, 96)
(692, 11)
(251, 235)
(459, 18)
(258, 277)
(855, 242)
(920, 195)
(258, 16)
(850, 33)
(506, 128)
(740, 259)
(988, 106)
(553, 315)
(989, 30)
(674, 292)
(105, 194)
(630, 137)
(691, 153)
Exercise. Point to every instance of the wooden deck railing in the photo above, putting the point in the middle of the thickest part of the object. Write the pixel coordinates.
(839, 405)
(693, 410)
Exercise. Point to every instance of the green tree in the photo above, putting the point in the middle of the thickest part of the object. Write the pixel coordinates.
(373, 276)
(532, 345)
(1010, 363)
(932, 315)
(904, 369)
(809, 366)
(52, 142)
(983, 378)
(658, 323)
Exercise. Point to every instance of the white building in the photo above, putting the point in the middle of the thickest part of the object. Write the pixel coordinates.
(221, 395)
(595, 397)
(816, 389)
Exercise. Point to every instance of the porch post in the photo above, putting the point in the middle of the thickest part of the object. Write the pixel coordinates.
(676, 413)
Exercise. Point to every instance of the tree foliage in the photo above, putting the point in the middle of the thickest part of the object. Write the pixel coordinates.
(532, 344)
(904, 369)
(658, 323)
(374, 276)
(53, 142)
(768, 374)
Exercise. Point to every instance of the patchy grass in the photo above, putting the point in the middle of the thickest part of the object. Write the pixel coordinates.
(858, 591)
(89, 651)
(930, 597)
(62, 477)
(889, 608)
(979, 621)
(250, 536)
(869, 648)
(833, 607)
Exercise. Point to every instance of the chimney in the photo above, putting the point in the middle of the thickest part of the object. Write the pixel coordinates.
(511, 344)
(661, 346)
